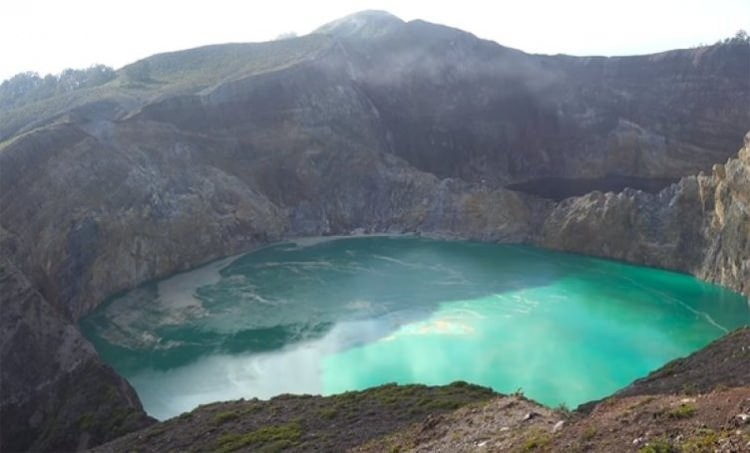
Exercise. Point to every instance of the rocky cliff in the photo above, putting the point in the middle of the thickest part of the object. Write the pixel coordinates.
(371, 125)
(140, 199)
(378, 125)
(56, 393)
(701, 225)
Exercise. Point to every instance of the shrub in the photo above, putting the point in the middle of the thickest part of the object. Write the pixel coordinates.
(684, 410)
(270, 438)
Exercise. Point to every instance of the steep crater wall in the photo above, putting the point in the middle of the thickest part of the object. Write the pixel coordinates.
(701, 225)
(414, 130)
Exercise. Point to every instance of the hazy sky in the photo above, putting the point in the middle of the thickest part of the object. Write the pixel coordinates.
(50, 35)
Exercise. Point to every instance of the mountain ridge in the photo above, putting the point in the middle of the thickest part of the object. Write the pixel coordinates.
(198, 155)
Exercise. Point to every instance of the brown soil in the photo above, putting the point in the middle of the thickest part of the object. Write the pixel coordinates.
(648, 424)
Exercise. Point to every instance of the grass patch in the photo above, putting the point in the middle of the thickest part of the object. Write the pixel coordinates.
(252, 409)
(328, 413)
(536, 441)
(684, 410)
(267, 439)
(518, 393)
(223, 417)
(704, 440)
(589, 433)
(658, 446)
(157, 430)
(442, 404)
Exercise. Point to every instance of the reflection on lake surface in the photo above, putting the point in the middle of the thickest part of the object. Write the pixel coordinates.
(329, 316)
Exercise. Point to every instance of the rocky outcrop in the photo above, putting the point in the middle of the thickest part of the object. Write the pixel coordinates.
(375, 126)
(56, 393)
(726, 200)
(138, 200)
(700, 225)
(122, 215)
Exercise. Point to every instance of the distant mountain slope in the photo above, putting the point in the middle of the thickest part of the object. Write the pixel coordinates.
(458, 106)
(168, 74)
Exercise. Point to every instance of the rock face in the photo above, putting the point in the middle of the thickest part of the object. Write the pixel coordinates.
(700, 225)
(148, 200)
(726, 194)
(372, 125)
(56, 393)
(379, 125)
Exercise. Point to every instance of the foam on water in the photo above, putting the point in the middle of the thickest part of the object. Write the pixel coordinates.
(177, 294)
(312, 241)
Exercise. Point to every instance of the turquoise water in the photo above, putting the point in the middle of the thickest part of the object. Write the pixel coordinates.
(330, 316)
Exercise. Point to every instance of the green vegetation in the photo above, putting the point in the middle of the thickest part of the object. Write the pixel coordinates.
(204, 66)
(223, 417)
(537, 440)
(684, 410)
(255, 407)
(589, 433)
(417, 399)
(304, 422)
(28, 100)
(658, 446)
(328, 413)
(563, 410)
(267, 439)
(28, 87)
(741, 37)
(705, 440)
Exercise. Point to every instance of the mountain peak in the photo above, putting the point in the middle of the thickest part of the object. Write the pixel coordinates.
(363, 24)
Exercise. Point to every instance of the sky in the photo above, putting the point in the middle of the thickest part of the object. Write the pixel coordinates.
(48, 36)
